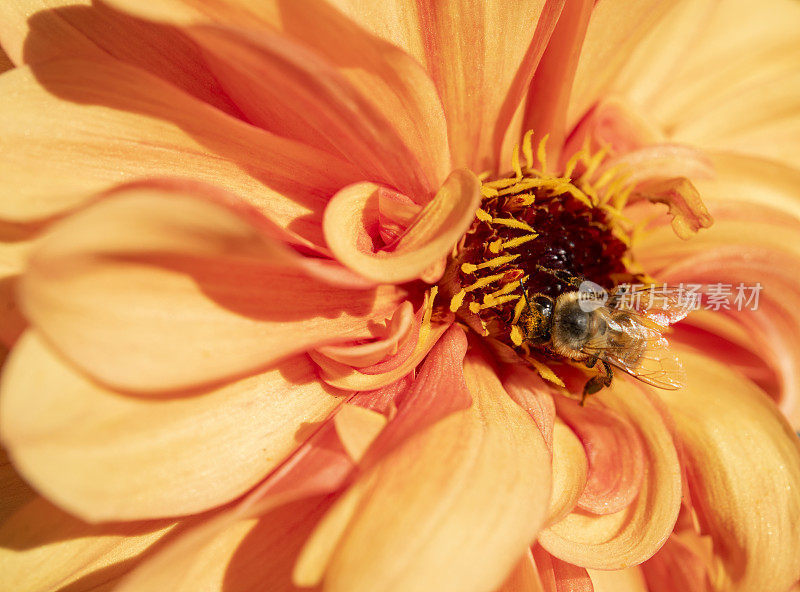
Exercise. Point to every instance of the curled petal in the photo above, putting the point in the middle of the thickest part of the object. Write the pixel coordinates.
(44, 548)
(530, 393)
(399, 330)
(743, 469)
(164, 287)
(689, 213)
(628, 537)
(570, 472)
(106, 456)
(430, 238)
(418, 493)
(663, 161)
(615, 455)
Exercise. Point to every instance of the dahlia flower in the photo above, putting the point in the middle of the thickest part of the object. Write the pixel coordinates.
(267, 271)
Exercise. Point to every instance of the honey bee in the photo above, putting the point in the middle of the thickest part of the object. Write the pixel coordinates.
(590, 331)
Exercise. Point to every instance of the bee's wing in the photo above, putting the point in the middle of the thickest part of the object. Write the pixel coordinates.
(660, 304)
(634, 346)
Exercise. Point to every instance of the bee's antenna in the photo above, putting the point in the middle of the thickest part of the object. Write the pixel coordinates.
(524, 291)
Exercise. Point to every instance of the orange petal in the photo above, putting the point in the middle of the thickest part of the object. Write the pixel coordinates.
(468, 492)
(689, 213)
(548, 98)
(16, 242)
(560, 576)
(529, 391)
(99, 124)
(482, 55)
(678, 566)
(430, 238)
(106, 456)
(743, 466)
(15, 492)
(44, 548)
(630, 536)
(164, 286)
(615, 28)
(311, 73)
(37, 31)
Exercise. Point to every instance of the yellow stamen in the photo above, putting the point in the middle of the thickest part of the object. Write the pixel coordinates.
(483, 216)
(515, 162)
(520, 240)
(541, 153)
(512, 223)
(483, 282)
(496, 246)
(527, 148)
(517, 336)
(457, 300)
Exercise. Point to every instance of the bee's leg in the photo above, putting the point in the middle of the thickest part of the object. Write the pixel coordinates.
(598, 381)
(562, 276)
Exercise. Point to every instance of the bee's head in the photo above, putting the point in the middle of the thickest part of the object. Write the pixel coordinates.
(537, 318)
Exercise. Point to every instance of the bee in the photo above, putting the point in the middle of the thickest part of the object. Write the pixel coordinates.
(590, 331)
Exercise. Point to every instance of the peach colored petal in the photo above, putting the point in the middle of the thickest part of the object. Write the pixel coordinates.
(481, 54)
(524, 577)
(623, 580)
(37, 31)
(570, 472)
(615, 28)
(418, 494)
(357, 427)
(753, 241)
(5, 61)
(737, 87)
(743, 466)
(354, 210)
(163, 287)
(44, 548)
(548, 98)
(630, 536)
(100, 124)
(106, 456)
(235, 551)
(615, 456)
(560, 576)
(663, 161)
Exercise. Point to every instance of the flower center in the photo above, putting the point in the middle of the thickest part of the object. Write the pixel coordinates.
(538, 234)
